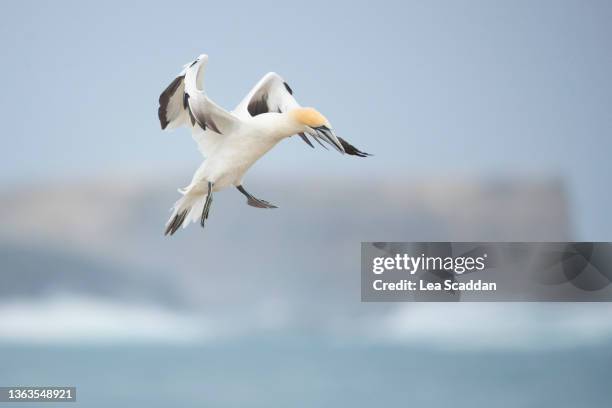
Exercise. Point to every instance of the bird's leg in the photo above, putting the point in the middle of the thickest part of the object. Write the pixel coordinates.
(207, 204)
(255, 202)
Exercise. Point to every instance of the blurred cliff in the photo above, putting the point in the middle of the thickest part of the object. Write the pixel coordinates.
(88, 261)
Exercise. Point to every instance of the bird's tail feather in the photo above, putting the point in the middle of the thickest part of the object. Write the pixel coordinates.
(186, 210)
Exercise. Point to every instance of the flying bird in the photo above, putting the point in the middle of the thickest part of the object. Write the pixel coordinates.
(232, 142)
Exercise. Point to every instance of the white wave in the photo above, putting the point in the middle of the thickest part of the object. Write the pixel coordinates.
(70, 318)
(502, 326)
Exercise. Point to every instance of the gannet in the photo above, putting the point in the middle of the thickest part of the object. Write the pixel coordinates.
(231, 142)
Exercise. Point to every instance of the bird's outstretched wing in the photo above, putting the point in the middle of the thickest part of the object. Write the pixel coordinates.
(184, 103)
(270, 94)
(171, 112)
(273, 94)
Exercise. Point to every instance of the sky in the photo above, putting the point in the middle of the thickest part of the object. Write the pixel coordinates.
(440, 89)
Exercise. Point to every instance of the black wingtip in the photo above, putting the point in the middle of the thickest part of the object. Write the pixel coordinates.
(352, 150)
(305, 139)
(259, 105)
(161, 114)
(164, 99)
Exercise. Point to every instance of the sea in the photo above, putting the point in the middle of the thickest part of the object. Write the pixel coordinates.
(303, 371)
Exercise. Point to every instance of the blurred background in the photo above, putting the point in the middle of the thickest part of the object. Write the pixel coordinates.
(489, 121)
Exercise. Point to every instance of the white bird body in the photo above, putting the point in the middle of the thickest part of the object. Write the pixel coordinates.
(232, 142)
(235, 154)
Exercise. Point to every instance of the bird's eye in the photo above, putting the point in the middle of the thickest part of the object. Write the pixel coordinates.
(193, 63)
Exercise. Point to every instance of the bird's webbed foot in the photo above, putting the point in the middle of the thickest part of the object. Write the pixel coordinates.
(255, 202)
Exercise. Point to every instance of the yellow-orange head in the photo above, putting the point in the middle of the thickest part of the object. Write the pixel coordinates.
(309, 117)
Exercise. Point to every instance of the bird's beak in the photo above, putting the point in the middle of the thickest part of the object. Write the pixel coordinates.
(325, 134)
